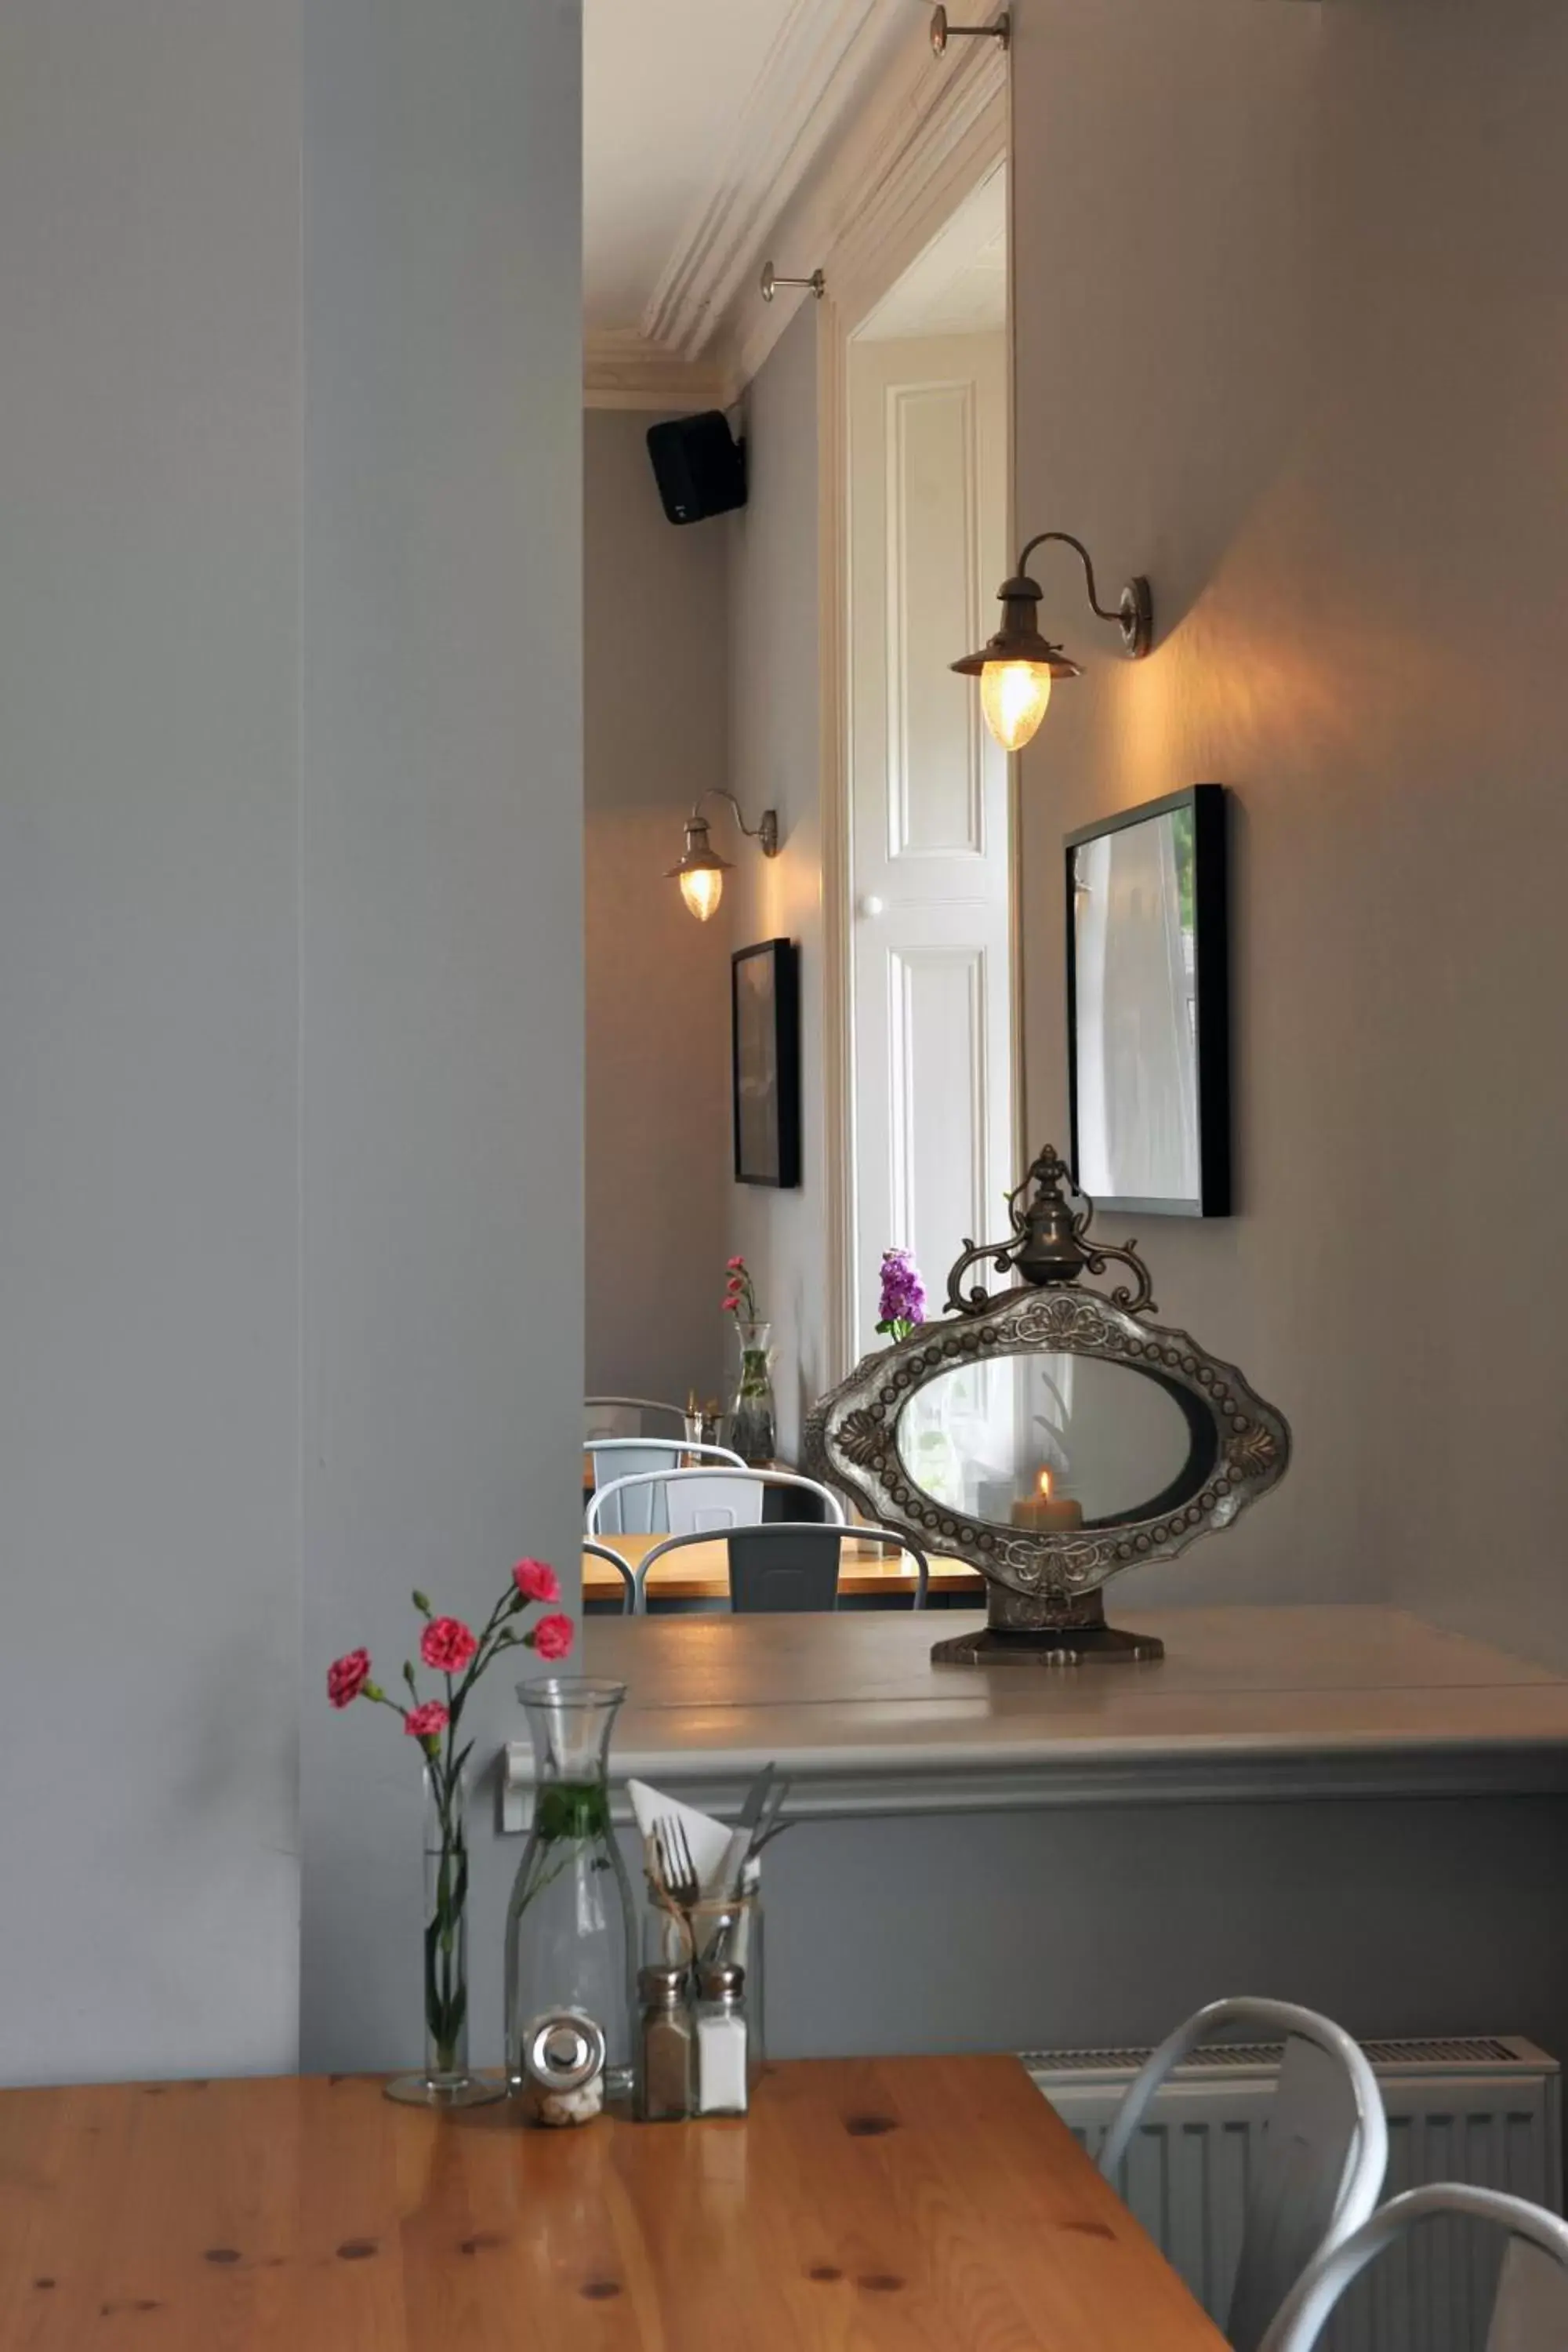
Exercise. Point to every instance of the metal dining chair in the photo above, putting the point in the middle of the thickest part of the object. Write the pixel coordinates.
(1529, 2313)
(616, 1416)
(786, 1567)
(616, 1459)
(628, 1581)
(1324, 2153)
(700, 1502)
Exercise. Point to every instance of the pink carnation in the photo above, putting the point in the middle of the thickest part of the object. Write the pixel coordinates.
(551, 1637)
(346, 1677)
(426, 1721)
(731, 1303)
(446, 1645)
(536, 1580)
(736, 1265)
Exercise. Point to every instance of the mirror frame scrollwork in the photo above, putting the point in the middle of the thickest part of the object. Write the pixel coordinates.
(1044, 1588)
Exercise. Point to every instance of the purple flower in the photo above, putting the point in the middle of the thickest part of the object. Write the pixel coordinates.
(903, 1301)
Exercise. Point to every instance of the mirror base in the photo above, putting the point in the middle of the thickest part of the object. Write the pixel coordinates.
(1049, 1645)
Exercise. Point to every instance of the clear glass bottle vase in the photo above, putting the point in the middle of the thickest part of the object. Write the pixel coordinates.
(570, 1948)
(446, 2080)
(753, 1420)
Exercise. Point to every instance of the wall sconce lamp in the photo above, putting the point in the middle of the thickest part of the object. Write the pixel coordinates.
(702, 871)
(1015, 667)
(999, 30)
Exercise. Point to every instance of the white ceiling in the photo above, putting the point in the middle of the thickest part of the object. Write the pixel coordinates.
(661, 83)
(958, 285)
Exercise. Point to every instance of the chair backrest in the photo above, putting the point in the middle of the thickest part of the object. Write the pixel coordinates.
(616, 1507)
(787, 1566)
(628, 1416)
(1324, 2154)
(640, 1511)
(628, 1581)
(1531, 2310)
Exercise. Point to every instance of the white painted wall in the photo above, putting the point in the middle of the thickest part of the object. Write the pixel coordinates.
(776, 752)
(150, 404)
(442, 929)
(1303, 367)
(290, 940)
(655, 724)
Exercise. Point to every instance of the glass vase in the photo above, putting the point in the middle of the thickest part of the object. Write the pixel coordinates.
(446, 2080)
(569, 1949)
(752, 1423)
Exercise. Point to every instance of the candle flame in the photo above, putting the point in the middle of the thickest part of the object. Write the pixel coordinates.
(1044, 1483)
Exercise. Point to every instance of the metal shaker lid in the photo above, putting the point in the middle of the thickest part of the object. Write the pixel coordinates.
(662, 1982)
(563, 2050)
(722, 1981)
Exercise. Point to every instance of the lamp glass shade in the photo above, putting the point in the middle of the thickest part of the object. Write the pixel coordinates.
(702, 886)
(1014, 695)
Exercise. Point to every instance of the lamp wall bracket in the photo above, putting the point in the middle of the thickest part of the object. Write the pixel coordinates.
(771, 283)
(1133, 612)
(1000, 30)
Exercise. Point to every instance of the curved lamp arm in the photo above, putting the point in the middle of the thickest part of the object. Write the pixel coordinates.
(1133, 612)
(766, 833)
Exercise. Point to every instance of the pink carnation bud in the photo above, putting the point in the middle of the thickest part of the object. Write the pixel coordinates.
(426, 1721)
(446, 1645)
(551, 1637)
(536, 1580)
(347, 1676)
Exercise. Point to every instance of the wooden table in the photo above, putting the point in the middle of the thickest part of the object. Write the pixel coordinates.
(700, 1572)
(894, 2205)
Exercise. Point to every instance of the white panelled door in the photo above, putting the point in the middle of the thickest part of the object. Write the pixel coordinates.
(930, 829)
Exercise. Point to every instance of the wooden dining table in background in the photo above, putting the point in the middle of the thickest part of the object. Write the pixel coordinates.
(701, 1572)
(890, 2205)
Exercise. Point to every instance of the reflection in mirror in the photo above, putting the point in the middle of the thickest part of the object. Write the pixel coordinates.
(1051, 1443)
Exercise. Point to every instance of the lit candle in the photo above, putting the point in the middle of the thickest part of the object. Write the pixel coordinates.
(1042, 1514)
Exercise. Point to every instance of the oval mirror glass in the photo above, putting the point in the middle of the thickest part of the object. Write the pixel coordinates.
(1055, 1441)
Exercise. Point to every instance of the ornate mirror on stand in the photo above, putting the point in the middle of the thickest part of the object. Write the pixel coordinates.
(1049, 1435)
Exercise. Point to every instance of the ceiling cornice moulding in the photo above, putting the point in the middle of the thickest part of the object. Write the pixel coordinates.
(809, 77)
(930, 119)
(623, 370)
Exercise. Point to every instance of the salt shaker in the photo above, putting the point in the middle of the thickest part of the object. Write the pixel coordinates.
(720, 2040)
(664, 2045)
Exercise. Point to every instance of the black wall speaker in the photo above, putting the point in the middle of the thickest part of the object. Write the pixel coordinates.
(699, 466)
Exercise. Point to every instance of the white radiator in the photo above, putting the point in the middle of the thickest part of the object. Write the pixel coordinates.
(1487, 2111)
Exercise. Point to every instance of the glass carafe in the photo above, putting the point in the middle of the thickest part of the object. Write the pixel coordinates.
(569, 1932)
(752, 1419)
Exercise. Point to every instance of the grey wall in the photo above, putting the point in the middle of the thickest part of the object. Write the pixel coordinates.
(655, 724)
(775, 738)
(442, 956)
(149, 1253)
(1300, 363)
(290, 1028)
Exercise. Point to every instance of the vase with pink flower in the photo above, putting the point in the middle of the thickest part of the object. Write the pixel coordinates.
(571, 1956)
(754, 1420)
(451, 1650)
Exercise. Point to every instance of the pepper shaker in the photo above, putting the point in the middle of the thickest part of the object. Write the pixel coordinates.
(664, 2045)
(721, 2069)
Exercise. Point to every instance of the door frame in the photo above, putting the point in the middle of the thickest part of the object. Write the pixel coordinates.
(948, 145)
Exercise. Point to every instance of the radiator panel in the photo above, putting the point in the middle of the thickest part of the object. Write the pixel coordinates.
(1486, 2111)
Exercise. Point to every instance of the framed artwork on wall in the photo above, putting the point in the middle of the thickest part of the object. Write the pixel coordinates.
(764, 1034)
(1147, 1006)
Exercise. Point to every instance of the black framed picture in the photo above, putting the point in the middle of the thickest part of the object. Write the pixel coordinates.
(1148, 1006)
(764, 1031)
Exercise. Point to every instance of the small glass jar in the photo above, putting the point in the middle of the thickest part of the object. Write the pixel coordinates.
(665, 2044)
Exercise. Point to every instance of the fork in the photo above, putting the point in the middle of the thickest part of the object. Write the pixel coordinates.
(676, 1867)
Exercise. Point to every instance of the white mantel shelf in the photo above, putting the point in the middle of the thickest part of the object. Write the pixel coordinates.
(1283, 1702)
